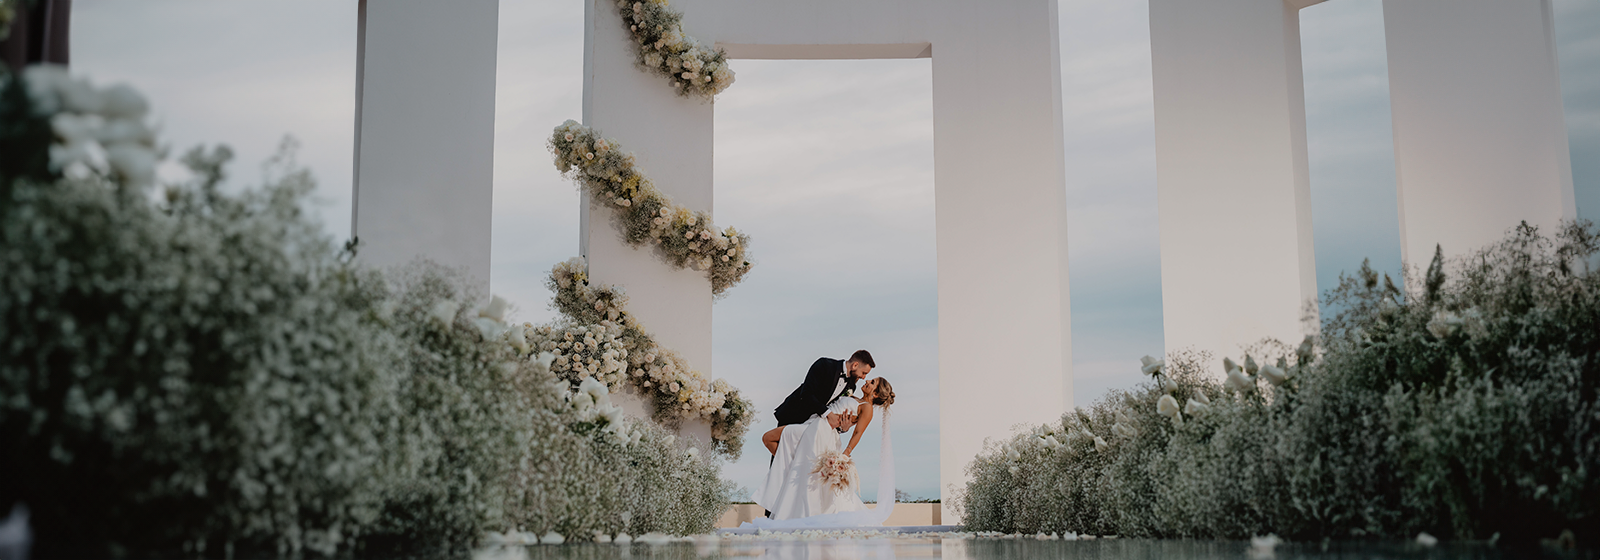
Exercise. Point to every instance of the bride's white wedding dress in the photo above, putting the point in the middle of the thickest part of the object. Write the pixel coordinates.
(798, 498)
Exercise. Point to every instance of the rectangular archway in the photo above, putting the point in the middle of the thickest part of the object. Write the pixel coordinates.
(1004, 311)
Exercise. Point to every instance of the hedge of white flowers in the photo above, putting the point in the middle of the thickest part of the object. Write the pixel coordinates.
(205, 374)
(601, 340)
(686, 238)
(665, 49)
(1466, 410)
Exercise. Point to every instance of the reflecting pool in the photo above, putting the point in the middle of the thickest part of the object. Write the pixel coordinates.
(779, 547)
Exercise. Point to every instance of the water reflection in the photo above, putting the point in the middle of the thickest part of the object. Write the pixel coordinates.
(995, 549)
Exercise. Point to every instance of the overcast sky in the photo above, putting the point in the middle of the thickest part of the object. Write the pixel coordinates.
(247, 73)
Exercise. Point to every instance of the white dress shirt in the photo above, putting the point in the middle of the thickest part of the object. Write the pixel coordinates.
(839, 388)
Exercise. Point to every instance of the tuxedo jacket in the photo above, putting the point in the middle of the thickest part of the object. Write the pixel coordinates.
(815, 394)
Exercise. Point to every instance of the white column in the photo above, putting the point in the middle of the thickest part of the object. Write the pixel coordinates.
(1480, 140)
(1233, 188)
(1001, 220)
(671, 135)
(424, 166)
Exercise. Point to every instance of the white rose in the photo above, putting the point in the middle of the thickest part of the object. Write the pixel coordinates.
(122, 101)
(1151, 365)
(134, 162)
(1239, 382)
(444, 311)
(495, 310)
(1274, 375)
(72, 128)
(1167, 406)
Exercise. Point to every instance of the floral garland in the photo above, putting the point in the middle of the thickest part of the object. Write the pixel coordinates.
(665, 49)
(687, 238)
(601, 341)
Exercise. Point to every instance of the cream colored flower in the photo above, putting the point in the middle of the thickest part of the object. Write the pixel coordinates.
(444, 311)
(1167, 406)
(1196, 408)
(496, 309)
(1151, 365)
(1274, 375)
(1239, 382)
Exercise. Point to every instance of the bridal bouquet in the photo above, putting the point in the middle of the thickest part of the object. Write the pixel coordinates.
(836, 469)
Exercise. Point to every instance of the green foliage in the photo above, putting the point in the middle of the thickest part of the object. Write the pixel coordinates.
(1468, 411)
(207, 375)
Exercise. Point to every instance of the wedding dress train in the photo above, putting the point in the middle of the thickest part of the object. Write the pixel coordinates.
(798, 498)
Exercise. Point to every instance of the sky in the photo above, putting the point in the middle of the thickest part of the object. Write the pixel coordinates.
(248, 73)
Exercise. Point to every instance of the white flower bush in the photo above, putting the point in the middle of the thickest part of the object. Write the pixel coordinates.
(664, 48)
(601, 341)
(1464, 410)
(206, 374)
(97, 130)
(687, 239)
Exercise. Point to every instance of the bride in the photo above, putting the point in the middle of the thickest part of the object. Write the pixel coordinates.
(799, 497)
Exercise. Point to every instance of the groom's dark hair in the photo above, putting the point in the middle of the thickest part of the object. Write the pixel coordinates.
(864, 357)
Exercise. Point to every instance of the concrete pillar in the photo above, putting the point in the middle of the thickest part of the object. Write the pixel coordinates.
(1233, 187)
(424, 150)
(1480, 140)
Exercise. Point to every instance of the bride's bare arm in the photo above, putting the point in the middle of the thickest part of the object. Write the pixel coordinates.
(863, 419)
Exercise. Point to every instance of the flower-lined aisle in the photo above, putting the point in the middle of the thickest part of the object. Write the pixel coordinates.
(1465, 409)
(191, 372)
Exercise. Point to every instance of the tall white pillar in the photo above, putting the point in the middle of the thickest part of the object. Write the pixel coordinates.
(1480, 140)
(424, 168)
(671, 135)
(672, 138)
(1233, 187)
(1000, 212)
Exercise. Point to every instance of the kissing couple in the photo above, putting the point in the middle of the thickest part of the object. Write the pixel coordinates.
(812, 479)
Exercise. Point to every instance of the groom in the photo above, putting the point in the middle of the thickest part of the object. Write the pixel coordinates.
(827, 380)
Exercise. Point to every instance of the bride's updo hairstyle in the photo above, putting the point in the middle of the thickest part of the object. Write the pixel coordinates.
(884, 395)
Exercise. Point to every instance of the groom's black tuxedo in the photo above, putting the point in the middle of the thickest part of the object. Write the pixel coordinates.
(814, 396)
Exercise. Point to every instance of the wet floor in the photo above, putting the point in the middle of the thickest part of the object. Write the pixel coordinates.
(937, 546)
